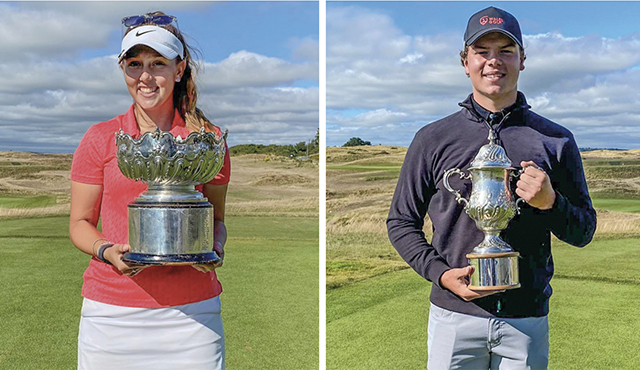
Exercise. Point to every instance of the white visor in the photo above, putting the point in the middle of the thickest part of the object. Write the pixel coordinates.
(157, 38)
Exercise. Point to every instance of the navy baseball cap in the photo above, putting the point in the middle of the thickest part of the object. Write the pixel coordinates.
(492, 20)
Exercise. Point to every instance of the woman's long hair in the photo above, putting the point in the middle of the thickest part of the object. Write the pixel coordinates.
(185, 92)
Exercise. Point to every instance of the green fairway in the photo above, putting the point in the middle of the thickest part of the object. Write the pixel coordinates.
(618, 205)
(26, 202)
(270, 299)
(610, 260)
(381, 322)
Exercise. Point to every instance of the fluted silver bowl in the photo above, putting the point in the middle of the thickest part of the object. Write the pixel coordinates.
(159, 158)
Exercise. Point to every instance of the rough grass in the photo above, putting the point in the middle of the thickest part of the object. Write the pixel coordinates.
(377, 307)
(379, 152)
(616, 172)
(615, 155)
(261, 185)
(279, 179)
(360, 185)
(357, 206)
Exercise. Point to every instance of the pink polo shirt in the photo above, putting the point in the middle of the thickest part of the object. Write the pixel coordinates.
(95, 162)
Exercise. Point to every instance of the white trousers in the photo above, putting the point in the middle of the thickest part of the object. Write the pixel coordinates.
(182, 337)
(459, 341)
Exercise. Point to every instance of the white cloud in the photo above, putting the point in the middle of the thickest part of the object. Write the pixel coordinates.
(358, 33)
(249, 69)
(61, 29)
(243, 93)
(588, 83)
(374, 118)
(558, 63)
(50, 92)
(98, 74)
(306, 48)
(411, 58)
(47, 33)
(278, 115)
(434, 46)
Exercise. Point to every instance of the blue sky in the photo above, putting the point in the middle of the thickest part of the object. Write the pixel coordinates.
(58, 74)
(607, 18)
(392, 67)
(263, 27)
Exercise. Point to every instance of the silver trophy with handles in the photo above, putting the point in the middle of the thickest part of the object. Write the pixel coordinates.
(491, 205)
(171, 223)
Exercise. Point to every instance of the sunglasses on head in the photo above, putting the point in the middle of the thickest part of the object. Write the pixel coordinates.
(136, 20)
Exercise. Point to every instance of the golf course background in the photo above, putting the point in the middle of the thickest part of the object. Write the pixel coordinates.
(270, 275)
(377, 307)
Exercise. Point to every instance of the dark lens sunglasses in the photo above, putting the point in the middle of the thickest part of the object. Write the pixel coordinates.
(136, 20)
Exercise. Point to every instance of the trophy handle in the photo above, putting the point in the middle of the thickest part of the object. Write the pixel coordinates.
(445, 180)
(518, 209)
(519, 200)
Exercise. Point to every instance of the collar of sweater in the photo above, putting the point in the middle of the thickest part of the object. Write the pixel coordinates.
(517, 109)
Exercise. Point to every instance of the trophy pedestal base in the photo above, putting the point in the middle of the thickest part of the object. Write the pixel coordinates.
(494, 271)
(170, 233)
(170, 259)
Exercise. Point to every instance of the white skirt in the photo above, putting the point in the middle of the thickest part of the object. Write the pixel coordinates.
(181, 337)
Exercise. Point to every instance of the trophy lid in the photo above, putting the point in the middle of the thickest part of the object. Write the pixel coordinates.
(491, 155)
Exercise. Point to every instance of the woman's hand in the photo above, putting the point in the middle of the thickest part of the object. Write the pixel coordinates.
(220, 239)
(216, 195)
(115, 255)
(208, 267)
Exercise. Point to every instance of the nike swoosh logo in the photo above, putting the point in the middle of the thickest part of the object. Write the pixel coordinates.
(138, 34)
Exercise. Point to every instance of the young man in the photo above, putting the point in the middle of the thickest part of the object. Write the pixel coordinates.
(479, 330)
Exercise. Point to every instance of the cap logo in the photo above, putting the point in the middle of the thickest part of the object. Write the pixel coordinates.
(490, 20)
(138, 34)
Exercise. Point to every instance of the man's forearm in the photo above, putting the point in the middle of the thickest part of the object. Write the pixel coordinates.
(572, 224)
(409, 240)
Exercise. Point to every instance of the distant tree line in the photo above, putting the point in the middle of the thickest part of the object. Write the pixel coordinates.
(587, 149)
(301, 149)
(356, 141)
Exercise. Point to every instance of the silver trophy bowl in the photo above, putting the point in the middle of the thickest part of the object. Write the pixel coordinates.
(171, 223)
(491, 205)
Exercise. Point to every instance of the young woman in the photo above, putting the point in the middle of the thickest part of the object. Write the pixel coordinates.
(161, 317)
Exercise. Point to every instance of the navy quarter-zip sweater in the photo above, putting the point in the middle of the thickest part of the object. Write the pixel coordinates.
(453, 142)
